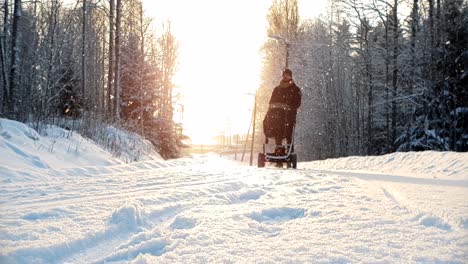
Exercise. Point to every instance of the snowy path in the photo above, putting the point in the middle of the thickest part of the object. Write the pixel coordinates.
(209, 209)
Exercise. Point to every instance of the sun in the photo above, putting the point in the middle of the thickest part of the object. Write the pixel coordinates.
(219, 61)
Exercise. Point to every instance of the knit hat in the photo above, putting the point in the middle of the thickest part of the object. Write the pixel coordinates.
(288, 72)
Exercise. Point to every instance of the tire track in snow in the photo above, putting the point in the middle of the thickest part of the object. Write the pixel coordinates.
(131, 191)
(18, 189)
(400, 190)
(89, 247)
(371, 176)
(335, 203)
(427, 219)
(195, 180)
(201, 179)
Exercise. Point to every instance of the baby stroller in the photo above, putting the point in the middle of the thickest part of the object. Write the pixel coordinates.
(275, 125)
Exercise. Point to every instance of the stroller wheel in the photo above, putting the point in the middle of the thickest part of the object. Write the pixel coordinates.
(294, 161)
(261, 160)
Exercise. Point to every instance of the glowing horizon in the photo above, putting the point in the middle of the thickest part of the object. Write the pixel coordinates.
(219, 60)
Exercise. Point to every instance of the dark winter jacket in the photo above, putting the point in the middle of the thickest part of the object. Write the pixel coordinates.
(281, 115)
(289, 94)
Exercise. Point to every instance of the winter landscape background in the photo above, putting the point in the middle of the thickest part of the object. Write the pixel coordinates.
(95, 141)
(81, 205)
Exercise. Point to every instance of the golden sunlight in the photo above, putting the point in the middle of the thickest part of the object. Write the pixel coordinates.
(219, 61)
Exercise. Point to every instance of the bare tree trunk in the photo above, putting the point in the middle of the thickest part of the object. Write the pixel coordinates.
(387, 82)
(3, 58)
(110, 75)
(370, 101)
(83, 58)
(358, 120)
(414, 28)
(13, 99)
(31, 92)
(6, 13)
(117, 89)
(142, 71)
(370, 90)
(3, 66)
(102, 79)
(395, 72)
(4, 91)
(431, 22)
(331, 87)
(438, 27)
(51, 62)
(431, 39)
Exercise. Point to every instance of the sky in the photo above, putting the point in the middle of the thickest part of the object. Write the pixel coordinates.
(219, 59)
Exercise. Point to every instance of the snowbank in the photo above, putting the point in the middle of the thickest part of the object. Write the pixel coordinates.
(427, 164)
(21, 147)
(128, 146)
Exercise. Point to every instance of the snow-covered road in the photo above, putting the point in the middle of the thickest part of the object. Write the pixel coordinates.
(207, 209)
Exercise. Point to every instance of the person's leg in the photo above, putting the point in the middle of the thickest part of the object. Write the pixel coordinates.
(279, 150)
(279, 147)
(289, 131)
(289, 134)
(289, 126)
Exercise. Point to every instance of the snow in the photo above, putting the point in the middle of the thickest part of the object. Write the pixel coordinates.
(23, 147)
(459, 111)
(427, 164)
(397, 208)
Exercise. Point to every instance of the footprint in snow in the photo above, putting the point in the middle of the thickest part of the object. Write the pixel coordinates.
(329, 188)
(246, 196)
(54, 213)
(280, 214)
(306, 190)
(432, 221)
(182, 222)
(41, 215)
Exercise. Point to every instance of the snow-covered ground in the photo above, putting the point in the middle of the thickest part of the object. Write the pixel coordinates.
(22, 147)
(397, 208)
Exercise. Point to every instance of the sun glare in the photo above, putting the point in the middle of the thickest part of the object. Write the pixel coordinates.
(219, 61)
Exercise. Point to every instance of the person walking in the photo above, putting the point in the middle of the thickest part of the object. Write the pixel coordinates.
(283, 106)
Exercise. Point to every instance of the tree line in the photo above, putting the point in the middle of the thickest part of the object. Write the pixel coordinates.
(377, 76)
(89, 60)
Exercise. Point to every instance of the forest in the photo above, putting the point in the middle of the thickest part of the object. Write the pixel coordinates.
(377, 76)
(83, 64)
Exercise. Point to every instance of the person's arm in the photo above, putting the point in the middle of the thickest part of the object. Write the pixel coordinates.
(273, 96)
(297, 98)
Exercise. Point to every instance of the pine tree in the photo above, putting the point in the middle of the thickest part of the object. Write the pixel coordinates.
(442, 121)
